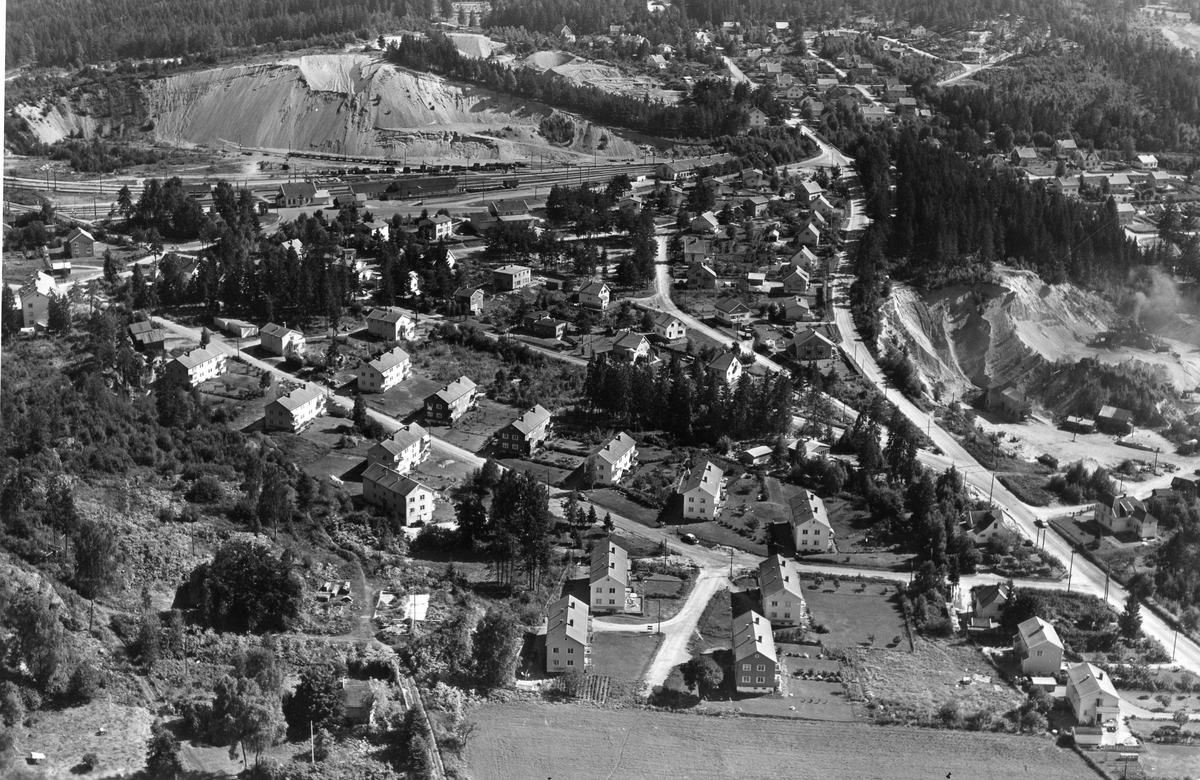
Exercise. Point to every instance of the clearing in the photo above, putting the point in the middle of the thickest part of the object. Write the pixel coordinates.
(65, 735)
(853, 613)
(568, 741)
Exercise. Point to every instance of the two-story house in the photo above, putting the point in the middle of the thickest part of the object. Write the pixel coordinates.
(281, 340)
(404, 451)
(988, 602)
(727, 368)
(779, 586)
(595, 295)
(811, 344)
(469, 299)
(295, 411)
(796, 282)
(1125, 514)
(1038, 648)
(512, 277)
(197, 366)
(567, 636)
(79, 243)
(526, 433)
(703, 492)
(668, 326)
(608, 578)
(391, 324)
(701, 276)
(406, 498)
(630, 346)
(147, 337)
(983, 525)
(451, 402)
(1092, 695)
(615, 458)
(811, 529)
(436, 228)
(384, 372)
(755, 662)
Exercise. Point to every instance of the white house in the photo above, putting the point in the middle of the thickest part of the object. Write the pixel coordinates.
(703, 492)
(758, 118)
(197, 366)
(1092, 695)
(727, 367)
(982, 526)
(615, 458)
(294, 411)
(609, 578)
(779, 586)
(384, 372)
(811, 529)
(1145, 162)
(731, 311)
(391, 324)
(281, 340)
(988, 601)
(567, 635)
(34, 299)
(411, 501)
(809, 235)
(595, 295)
(668, 326)
(404, 451)
(1037, 647)
(705, 223)
(1125, 514)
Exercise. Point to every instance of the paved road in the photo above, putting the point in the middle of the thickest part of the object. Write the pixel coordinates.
(1086, 577)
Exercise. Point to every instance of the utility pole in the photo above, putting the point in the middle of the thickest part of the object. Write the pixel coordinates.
(731, 563)
(1072, 570)
(312, 744)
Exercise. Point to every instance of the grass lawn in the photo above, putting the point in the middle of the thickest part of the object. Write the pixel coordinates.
(913, 686)
(623, 656)
(1030, 488)
(714, 627)
(405, 398)
(473, 429)
(534, 740)
(1163, 761)
(614, 500)
(65, 735)
(850, 617)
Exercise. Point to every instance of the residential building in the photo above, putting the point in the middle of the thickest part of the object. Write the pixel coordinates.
(436, 228)
(1023, 156)
(755, 206)
(1145, 162)
(1114, 420)
(404, 451)
(809, 235)
(756, 456)
(754, 281)
(630, 346)
(197, 366)
(567, 635)
(1125, 213)
(988, 601)
(512, 277)
(796, 310)
(796, 282)
(384, 372)
(703, 492)
(753, 178)
(406, 498)
(526, 433)
(808, 191)
(1080, 424)
(811, 529)
(779, 586)
(469, 299)
(358, 702)
(615, 459)
(803, 259)
(1037, 647)
(755, 663)
(450, 403)
(542, 325)
(564, 32)
(609, 578)
(757, 117)
(727, 368)
(983, 525)
(676, 170)
(1187, 484)
(811, 344)
(34, 299)
(1067, 185)
(595, 295)
(705, 223)
(731, 312)
(668, 326)
(701, 276)
(1092, 695)
(79, 243)
(294, 411)
(876, 114)
(1005, 399)
(1065, 148)
(391, 324)
(147, 337)
(1125, 514)
(281, 340)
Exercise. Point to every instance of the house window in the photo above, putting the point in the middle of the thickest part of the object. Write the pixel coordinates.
(570, 663)
(556, 649)
(612, 601)
(774, 603)
(1039, 652)
(759, 680)
(787, 615)
(570, 651)
(557, 662)
(745, 667)
(762, 668)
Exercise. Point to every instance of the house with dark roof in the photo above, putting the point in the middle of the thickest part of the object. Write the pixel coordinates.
(404, 451)
(595, 295)
(406, 498)
(542, 325)
(526, 433)
(983, 525)
(469, 299)
(451, 402)
(1125, 514)
(358, 702)
(1112, 419)
(79, 243)
(298, 193)
(146, 336)
(726, 367)
(1006, 399)
(668, 326)
(988, 601)
(731, 312)
(391, 323)
(811, 344)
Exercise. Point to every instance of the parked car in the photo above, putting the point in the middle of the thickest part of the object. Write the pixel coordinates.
(690, 539)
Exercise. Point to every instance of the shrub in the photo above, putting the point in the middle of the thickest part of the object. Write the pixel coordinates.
(89, 762)
(206, 490)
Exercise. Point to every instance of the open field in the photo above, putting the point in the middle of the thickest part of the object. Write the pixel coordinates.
(531, 740)
(851, 617)
(623, 656)
(916, 684)
(65, 735)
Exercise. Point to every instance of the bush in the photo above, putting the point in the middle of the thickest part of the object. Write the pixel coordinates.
(89, 762)
(206, 490)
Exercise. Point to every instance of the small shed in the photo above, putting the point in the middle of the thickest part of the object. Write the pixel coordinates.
(755, 456)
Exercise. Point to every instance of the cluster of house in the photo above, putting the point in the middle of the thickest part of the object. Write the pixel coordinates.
(1038, 650)
(756, 665)
(810, 213)
(568, 627)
